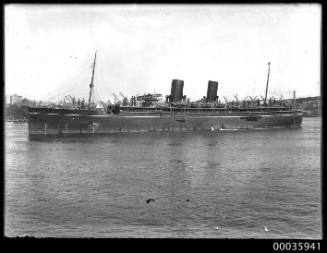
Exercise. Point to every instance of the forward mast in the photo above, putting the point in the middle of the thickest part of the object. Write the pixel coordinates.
(91, 95)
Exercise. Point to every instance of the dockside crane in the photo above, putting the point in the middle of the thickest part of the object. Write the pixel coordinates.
(70, 99)
(253, 99)
(250, 101)
(117, 100)
(66, 98)
(236, 98)
(103, 105)
(122, 95)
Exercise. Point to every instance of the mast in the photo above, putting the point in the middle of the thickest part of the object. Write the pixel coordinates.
(294, 98)
(92, 83)
(267, 82)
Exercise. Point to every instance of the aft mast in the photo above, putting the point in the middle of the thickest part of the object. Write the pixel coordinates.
(91, 100)
(267, 82)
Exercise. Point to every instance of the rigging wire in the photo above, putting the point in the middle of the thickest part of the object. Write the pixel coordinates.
(73, 85)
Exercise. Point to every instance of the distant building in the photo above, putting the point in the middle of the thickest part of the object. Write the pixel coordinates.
(16, 100)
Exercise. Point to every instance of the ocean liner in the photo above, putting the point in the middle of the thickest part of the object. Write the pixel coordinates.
(155, 113)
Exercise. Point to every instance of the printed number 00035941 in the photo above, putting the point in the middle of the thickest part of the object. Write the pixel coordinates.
(296, 246)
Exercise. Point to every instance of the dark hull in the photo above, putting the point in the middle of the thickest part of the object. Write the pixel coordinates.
(43, 121)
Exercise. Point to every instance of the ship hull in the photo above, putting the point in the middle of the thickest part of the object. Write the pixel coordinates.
(83, 122)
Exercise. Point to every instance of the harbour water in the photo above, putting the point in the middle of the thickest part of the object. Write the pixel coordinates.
(98, 186)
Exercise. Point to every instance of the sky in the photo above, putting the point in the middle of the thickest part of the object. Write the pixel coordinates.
(49, 49)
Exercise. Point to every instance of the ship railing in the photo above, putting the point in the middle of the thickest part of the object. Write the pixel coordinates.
(140, 108)
(260, 109)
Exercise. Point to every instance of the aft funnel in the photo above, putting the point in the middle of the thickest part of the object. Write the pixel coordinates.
(176, 90)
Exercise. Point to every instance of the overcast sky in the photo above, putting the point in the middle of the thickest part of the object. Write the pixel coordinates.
(141, 48)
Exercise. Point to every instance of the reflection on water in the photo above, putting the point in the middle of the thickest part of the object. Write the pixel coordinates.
(97, 186)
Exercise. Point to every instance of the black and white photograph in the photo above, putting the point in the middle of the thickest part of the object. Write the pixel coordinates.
(163, 121)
